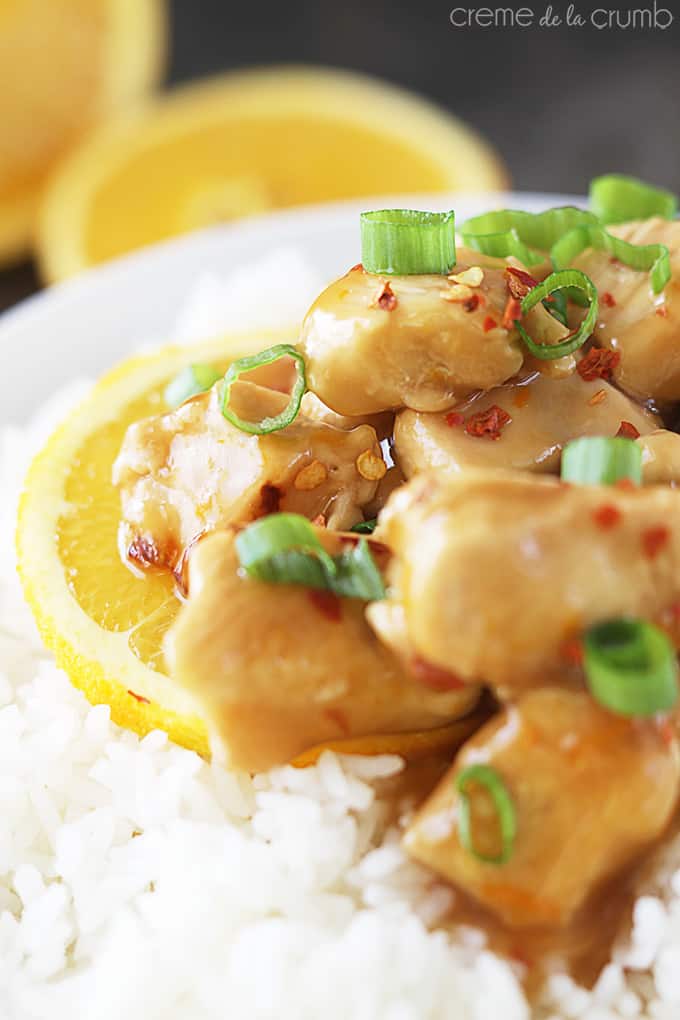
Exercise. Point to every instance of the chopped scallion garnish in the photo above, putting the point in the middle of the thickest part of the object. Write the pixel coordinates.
(245, 365)
(406, 242)
(600, 460)
(365, 527)
(524, 235)
(631, 667)
(285, 549)
(572, 279)
(643, 257)
(487, 777)
(616, 198)
(191, 380)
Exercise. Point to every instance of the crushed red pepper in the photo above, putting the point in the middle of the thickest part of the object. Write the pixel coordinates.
(434, 677)
(608, 299)
(662, 311)
(473, 303)
(139, 697)
(489, 324)
(511, 313)
(627, 431)
(519, 282)
(607, 516)
(599, 363)
(453, 419)
(488, 424)
(654, 540)
(571, 651)
(598, 398)
(385, 297)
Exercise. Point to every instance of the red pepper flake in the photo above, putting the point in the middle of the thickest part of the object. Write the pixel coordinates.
(662, 311)
(385, 297)
(511, 312)
(598, 398)
(327, 603)
(571, 651)
(434, 677)
(270, 499)
(666, 731)
(489, 324)
(627, 431)
(319, 520)
(488, 424)
(453, 419)
(608, 299)
(357, 269)
(607, 516)
(472, 303)
(654, 539)
(139, 697)
(519, 282)
(627, 484)
(599, 363)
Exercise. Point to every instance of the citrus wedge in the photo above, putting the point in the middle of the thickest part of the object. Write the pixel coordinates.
(245, 143)
(104, 623)
(64, 65)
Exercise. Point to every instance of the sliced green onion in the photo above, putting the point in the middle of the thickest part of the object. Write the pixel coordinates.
(365, 527)
(557, 306)
(631, 667)
(484, 775)
(191, 380)
(357, 575)
(643, 257)
(616, 198)
(244, 365)
(525, 235)
(405, 242)
(285, 549)
(599, 460)
(573, 279)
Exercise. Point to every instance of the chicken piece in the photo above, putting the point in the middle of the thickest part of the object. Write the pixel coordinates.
(191, 471)
(660, 457)
(591, 791)
(494, 573)
(424, 345)
(280, 669)
(544, 415)
(642, 326)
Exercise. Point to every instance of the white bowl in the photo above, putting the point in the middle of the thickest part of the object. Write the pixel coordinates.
(82, 327)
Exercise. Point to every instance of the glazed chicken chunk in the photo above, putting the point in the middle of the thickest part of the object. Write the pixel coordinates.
(279, 669)
(589, 791)
(378, 343)
(644, 328)
(522, 425)
(191, 471)
(494, 573)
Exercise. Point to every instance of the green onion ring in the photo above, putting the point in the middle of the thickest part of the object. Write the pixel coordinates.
(292, 409)
(489, 778)
(616, 198)
(631, 667)
(525, 235)
(193, 379)
(571, 278)
(275, 534)
(406, 242)
(365, 527)
(600, 460)
(643, 257)
(285, 549)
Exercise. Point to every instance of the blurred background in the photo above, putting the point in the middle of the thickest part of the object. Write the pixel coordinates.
(555, 107)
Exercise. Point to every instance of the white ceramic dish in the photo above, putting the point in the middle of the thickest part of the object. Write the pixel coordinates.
(82, 327)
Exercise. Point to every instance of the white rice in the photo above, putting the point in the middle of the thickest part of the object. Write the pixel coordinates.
(137, 881)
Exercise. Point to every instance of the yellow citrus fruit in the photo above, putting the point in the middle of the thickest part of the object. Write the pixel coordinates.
(64, 65)
(104, 623)
(248, 142)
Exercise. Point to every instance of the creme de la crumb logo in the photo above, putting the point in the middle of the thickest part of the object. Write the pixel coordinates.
(635, 19)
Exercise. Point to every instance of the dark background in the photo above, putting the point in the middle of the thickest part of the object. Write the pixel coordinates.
(560, 104)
